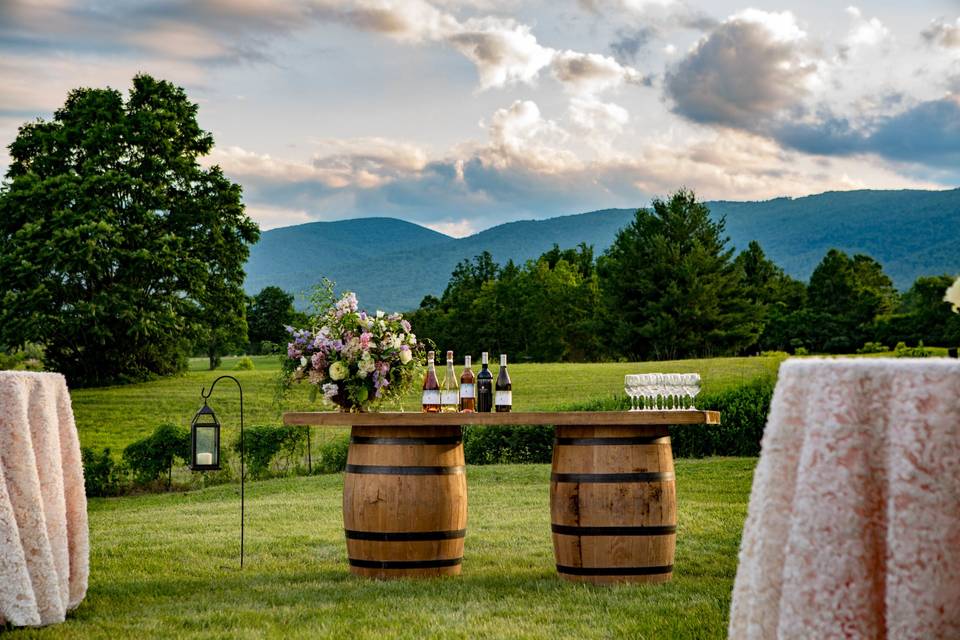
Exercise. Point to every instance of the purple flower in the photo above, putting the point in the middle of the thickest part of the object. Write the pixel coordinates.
(318, 361)
(292, 352)
(405, 325)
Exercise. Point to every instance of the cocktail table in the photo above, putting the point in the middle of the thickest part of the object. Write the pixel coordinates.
(612, 490)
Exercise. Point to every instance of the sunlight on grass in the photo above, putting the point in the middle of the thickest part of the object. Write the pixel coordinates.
(167, 566)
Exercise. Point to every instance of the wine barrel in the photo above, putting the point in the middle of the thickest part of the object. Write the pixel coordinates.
(405, 501)
(613, 504)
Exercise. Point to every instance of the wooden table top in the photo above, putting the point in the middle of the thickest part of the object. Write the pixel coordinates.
(564, 418)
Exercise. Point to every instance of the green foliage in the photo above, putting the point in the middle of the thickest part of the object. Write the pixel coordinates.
(117, 249)
(102, 475)
(268, 313)
(264, 445)
(244, 364)
(801, 351)
(872, 347)
(29, 357)
(743, 416)
(153, 456)
(507, 445)
(332, 455)
(903, 351)
(672, 287)
(546, 310)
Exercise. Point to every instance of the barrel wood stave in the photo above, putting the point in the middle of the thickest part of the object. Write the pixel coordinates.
(404, 502)
(613, 504)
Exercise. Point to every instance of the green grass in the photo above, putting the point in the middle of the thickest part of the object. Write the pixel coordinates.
(116, 416)
(166, 566)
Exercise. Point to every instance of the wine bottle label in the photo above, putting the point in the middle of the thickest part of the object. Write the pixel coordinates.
(449, 397)
(504, 398)
(467, 390)
(431, 396)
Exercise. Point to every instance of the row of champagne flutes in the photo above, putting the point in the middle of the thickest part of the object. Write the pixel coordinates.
(660, 391)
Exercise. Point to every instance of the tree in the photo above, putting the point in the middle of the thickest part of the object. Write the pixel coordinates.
(775, 294)
(672, 287)
(117, 249)
(268, 313)
(852, 292)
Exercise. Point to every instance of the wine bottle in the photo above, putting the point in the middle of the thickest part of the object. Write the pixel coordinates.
(484, 386)
(449, 390)
(504, 390)
(468, 393)
(431, 388)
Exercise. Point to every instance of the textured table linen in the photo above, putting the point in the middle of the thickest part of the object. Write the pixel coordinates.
(44, 544)
(853, 528)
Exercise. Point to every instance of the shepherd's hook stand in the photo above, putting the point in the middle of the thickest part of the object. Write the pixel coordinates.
(243, 472)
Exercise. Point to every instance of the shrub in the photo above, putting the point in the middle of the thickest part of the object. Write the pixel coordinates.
(507, 445)
(743, 415)
(801, 351)
(268, 348)
(102, 476)
(872, 347)
(151, 457)
(332, 456)
(262, 444)
(903, 351)
(29, 357)
(245, 364)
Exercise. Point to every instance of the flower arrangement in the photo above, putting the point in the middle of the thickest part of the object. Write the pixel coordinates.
(953, 295)
(353, 358)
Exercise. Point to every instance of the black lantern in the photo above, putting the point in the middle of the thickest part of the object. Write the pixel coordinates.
(205, 440)
(205, 445)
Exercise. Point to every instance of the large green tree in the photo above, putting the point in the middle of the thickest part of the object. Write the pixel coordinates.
(117, 249)
(268, 313)
(672, 286)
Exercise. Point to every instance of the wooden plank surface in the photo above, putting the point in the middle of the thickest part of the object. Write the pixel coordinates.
(415, 419)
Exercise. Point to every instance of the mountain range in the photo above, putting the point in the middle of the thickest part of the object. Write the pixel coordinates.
(392, 264)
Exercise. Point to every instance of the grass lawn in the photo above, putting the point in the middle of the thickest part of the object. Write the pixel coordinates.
(166, 566)
(116, 416)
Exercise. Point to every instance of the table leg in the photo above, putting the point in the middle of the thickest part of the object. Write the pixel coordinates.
(613, 504)
(405, 501)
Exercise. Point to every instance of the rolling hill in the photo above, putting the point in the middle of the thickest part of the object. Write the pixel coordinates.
(392, 264)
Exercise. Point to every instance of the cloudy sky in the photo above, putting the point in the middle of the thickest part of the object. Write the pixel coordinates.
(461, 114)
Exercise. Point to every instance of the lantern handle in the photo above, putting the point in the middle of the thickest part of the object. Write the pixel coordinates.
(243, 475)
(206, 394)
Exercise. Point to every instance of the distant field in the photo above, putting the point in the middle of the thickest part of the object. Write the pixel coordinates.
(116, 416)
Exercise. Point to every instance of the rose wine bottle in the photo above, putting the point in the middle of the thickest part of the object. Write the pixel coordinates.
(431, 388)
(468, 394)
(504, 390)
(484, 386)
(449, 390)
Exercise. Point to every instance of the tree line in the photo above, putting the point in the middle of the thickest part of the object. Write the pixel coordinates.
(670, 286)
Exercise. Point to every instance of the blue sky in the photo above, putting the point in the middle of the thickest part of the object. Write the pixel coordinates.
(462, 114)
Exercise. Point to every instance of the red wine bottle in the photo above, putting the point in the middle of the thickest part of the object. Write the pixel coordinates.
(431, 388)
(484, 386)
(504, 390)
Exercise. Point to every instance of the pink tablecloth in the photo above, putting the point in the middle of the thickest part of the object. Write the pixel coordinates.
(853, 528)
(44, 548)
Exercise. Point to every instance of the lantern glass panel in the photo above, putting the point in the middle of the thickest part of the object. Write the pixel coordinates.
(207, 451)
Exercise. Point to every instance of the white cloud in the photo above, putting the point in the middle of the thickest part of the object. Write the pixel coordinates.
(454, 228)
(590, 73)
(504, 52)
(746, 71)
(943, 33)
(782, 26)
(865, 32)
